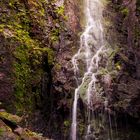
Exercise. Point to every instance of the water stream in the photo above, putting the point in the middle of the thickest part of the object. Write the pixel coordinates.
(90, 54)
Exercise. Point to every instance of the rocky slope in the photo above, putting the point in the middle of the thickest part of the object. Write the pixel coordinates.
(126, 95)
(124, 92)
(37, 41)
(10, 129)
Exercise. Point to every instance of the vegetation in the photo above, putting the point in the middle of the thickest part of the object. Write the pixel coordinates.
(36, 75)
(28, 50)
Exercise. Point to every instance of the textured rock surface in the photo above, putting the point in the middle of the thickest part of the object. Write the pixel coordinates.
(37, 41)
(126, 85)
(124, 91)
(10, 130)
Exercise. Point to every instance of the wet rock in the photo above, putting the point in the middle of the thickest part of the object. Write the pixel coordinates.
(10, 117)
(90, 137)
(18, 131)
(7, 132)
(125, 93)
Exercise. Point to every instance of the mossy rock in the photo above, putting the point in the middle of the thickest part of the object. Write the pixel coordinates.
(10, 117)
(19, 133)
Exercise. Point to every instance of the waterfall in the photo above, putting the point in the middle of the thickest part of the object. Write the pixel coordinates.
(91, 53)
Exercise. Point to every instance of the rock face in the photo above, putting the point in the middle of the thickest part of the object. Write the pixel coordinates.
(10, 129)
(126, 85)
(124, 92)
(37, 41)
(5, 68)
(36, 45)
(121, 85)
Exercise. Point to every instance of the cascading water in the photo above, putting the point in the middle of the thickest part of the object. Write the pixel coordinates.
(90, 54)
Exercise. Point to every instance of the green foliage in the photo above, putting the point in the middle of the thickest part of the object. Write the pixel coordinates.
(38, 52)
(67, 123)
(21, 24)
(10, 117)
(54, 35)
(1, 131)
(57, 67)
(50, 53)
(66, 127)
(81, 128)
(22, 73)
(60, 10)
(125, 11)
(103, 71)
(22, 66)
(27, 53)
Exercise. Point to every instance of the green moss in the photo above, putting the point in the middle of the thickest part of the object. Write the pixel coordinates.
(27, 53)
(57, 67)
(103, 71)
(22, 71)
(50, 53)
(60, 10)
(38, 52)
(67, 123)
(83, 88)
(66, 127)
(125, 11)
(54, 36)
(21, 24)
(1, 131)
(10, 117)
(81, 128)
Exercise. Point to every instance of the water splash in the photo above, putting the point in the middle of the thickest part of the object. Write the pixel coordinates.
(91, 52)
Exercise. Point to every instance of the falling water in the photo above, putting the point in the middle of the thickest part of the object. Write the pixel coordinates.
(90, 53)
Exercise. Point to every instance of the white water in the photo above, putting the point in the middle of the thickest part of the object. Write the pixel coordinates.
(92, 47)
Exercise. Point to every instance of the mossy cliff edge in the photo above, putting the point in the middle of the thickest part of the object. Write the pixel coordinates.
(37, 40)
